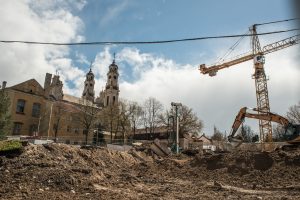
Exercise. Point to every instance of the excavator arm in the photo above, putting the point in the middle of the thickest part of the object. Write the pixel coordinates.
(242, 114)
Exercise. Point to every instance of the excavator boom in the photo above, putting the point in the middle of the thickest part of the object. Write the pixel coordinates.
(291, 129)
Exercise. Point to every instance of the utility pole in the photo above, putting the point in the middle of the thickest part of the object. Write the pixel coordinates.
(49, 121)
(176, 105)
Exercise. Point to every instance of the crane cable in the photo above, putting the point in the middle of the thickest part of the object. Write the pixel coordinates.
(231, 49)
(143, 42)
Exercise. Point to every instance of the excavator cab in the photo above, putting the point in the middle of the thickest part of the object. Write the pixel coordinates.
(292, 132)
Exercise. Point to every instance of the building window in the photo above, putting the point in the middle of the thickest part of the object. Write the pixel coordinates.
(76, 130)
(17, 128)
(20, 106)
(107, 100)
(114, 100)
(115, 77)
(36, 110)
(33, 129)
(68, 129)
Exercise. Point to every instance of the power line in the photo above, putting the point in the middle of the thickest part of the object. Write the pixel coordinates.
(144, 42)
(279, 21)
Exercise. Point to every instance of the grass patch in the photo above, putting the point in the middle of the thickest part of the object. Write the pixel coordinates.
(10, 145)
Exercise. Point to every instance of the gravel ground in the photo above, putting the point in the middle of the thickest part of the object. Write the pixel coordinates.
(59, 171)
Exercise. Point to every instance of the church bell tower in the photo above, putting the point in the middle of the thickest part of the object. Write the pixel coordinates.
(88, 91)
(112, 86)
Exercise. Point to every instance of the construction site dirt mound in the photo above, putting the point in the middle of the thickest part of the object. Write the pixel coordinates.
(59, 171)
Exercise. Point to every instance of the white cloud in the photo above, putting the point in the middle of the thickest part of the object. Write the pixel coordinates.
(47, 21)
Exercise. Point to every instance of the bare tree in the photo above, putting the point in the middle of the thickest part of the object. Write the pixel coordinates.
(293, 114)
(58, 114)
(109, 117)
(124, 118)
(247, 133)
(278, 133)
(189, 123)
(136, 114)
(88, 116)
(218, 135)
(151, 111)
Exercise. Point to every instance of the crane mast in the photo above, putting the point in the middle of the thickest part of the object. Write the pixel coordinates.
(262, 96)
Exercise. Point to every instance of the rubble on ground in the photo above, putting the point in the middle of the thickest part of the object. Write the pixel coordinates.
(59, 171)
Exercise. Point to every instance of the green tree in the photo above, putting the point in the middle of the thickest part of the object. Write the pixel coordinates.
(5, 122)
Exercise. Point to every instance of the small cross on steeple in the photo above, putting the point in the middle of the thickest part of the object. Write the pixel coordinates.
(91, 65)
(114, 58)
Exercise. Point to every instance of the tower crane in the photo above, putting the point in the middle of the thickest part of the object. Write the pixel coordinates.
(257, 54)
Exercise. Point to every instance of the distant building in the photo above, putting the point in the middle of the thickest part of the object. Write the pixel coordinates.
(47, 112)
(205, 140)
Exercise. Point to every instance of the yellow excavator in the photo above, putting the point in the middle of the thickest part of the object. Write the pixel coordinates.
(292, 131)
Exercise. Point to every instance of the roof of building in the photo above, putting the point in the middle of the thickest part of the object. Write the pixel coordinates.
(29, 86)
(204, 136)
(70, 98)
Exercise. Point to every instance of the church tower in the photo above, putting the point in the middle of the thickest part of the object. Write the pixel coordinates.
(111, 93)
(88, 91)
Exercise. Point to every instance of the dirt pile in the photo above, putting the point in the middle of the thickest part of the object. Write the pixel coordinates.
(59, 171)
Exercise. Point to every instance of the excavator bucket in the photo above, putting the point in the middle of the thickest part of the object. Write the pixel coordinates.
(295, 141)
(236, 141)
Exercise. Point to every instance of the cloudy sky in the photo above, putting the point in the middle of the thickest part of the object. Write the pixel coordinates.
(168, 72)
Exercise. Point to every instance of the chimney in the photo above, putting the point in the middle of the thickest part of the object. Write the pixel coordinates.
(47, 81)
(4, 84)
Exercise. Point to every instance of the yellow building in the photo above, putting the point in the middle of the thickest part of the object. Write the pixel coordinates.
(48, 114)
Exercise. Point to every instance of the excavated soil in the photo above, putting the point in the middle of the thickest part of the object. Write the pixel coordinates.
(59, 171)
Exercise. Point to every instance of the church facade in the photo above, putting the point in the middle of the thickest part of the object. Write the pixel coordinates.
(46, 112)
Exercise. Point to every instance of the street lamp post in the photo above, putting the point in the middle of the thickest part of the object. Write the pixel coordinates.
(176, 105)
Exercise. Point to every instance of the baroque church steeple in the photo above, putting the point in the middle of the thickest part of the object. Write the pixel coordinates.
(110, 95)
(88, 91)
(112, 85)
